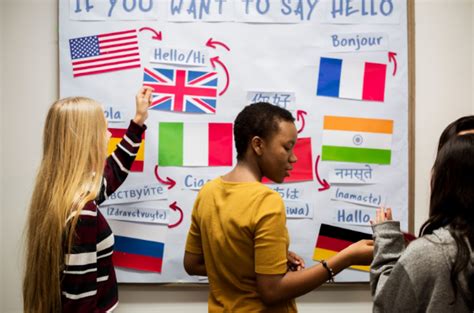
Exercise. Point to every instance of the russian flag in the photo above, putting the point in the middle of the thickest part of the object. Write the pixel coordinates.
(351, 79)
(138, 246)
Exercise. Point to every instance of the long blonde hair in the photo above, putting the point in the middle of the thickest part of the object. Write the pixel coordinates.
(74, 152)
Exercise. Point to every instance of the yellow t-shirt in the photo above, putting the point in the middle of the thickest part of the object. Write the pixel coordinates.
(240, 228)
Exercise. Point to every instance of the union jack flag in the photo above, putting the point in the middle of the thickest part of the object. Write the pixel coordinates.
(181, 90)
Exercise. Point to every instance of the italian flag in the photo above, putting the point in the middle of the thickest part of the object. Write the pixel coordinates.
(360, 140)
(195, 144)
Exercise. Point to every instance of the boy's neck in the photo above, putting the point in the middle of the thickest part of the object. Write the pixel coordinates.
(244, 172)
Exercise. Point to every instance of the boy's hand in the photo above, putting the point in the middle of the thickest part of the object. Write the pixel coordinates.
(360, 252)
(142, 101)
(295, 262)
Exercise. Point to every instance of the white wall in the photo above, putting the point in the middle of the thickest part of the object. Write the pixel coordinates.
(1, 144)
(444, 81)
(29, 81)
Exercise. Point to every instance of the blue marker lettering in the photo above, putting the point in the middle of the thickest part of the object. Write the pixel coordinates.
(127, 8)
(204, 7)
(267, 6)
(349, 9)
(193, 182)
(299, 10)
(335, 11)
(112, 6)
(78, 6)
(247, 2)
(341, 215)
(286, 5)
(192, 8)
(363, 11)
(142, 8)
(312, 5)
(372, 8)
(220, 5)
(389, 9)
(176, 9)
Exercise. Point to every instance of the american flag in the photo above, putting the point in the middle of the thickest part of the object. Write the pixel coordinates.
(104, 53)
(182, 90)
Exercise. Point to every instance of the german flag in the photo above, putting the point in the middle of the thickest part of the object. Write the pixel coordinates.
(333, 239)
(117, 135)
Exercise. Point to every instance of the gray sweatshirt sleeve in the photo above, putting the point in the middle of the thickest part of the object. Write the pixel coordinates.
(390, 284)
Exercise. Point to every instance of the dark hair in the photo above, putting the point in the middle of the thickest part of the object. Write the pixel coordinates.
(257, 119)
(452, 198)
(453, 129)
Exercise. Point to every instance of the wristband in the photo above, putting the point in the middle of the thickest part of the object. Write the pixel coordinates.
(329, 270)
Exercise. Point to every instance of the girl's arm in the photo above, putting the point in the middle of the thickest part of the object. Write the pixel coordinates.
(389, 246)
(118, 164)
(390, 283)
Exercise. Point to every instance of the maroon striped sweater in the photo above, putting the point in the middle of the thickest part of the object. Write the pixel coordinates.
(88, 282)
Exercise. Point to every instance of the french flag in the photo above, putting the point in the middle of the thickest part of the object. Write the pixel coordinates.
(138, 246)
(351, 79)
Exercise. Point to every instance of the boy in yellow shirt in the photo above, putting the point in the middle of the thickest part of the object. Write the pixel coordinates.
(238, 235)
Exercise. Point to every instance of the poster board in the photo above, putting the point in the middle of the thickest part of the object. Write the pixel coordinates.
(332, 63)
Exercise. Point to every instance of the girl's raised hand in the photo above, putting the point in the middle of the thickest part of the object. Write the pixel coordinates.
(382, 214)
(142, 101)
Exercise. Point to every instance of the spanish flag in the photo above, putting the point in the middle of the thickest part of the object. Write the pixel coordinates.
(117, 135)
(333, 239)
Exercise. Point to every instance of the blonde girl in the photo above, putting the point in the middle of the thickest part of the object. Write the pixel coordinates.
(69, 244)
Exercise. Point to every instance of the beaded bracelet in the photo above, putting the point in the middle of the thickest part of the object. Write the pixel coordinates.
(329, 270)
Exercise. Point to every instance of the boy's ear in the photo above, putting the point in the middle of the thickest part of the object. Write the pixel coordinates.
(257, 145)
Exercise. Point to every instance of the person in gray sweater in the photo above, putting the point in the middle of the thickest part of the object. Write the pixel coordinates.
(435, 273)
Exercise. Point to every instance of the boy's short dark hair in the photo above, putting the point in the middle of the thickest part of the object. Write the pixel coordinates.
(257, 119)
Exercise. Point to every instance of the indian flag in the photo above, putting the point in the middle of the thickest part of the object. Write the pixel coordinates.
(361, 140)
(117, 135)
(195, 144)
(351, 79)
